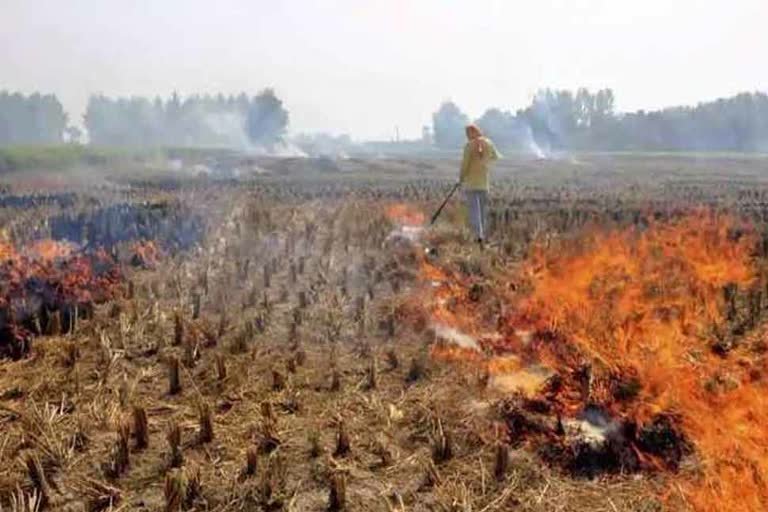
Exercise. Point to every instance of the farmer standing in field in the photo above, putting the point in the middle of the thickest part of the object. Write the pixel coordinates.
(479, 152)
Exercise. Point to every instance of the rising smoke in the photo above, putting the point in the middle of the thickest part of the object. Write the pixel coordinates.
(240, 122)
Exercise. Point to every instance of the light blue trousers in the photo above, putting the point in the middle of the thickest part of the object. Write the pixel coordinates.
(477, 209)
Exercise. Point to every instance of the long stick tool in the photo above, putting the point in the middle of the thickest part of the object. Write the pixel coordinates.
(445, 201)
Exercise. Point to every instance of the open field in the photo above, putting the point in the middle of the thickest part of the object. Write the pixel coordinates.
(212, 331)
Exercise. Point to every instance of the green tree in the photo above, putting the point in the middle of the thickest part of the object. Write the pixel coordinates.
(448, 124)
(33, 119)
(267, 118)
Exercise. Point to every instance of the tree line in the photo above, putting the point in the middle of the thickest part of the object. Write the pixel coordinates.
(230, 121)
(561, 120)
(33, 119)
(555, 120)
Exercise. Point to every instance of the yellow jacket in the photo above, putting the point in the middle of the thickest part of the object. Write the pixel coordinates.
(474, 166)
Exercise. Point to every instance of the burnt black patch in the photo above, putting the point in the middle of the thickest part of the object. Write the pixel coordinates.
(595, 442)
(626, 389)
(664, 439)
(173, 226)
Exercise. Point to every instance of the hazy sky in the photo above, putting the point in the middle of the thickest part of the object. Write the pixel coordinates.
(366, 66)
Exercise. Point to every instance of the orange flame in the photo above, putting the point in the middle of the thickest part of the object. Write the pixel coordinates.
(7, 252)
(456, 354)
(405, 215)
(72, 275)
(49, 250)
(647, 301)
(645, 304)
(46, 250)
(146, 253)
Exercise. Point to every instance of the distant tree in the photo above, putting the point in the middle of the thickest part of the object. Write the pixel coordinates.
(174, 128)
(553, 117)
(267, 118)
(504, 128)
(132, 121)
(448, 125)
(739, 123)
(584, 108)
(34, 119)
(603, 105)
(242, 103)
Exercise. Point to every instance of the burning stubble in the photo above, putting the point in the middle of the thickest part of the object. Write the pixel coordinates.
(638, 307)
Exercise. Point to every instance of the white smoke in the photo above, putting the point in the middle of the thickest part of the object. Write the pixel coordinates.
(325, 145)
(405, 235)
(456, 337)
(530, 143)
(283, 149)
(228, 129)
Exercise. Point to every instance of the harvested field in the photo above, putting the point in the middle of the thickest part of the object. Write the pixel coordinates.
(297, 339)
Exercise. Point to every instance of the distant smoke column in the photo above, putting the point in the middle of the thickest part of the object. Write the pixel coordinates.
(228, 129)
(530, 142)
